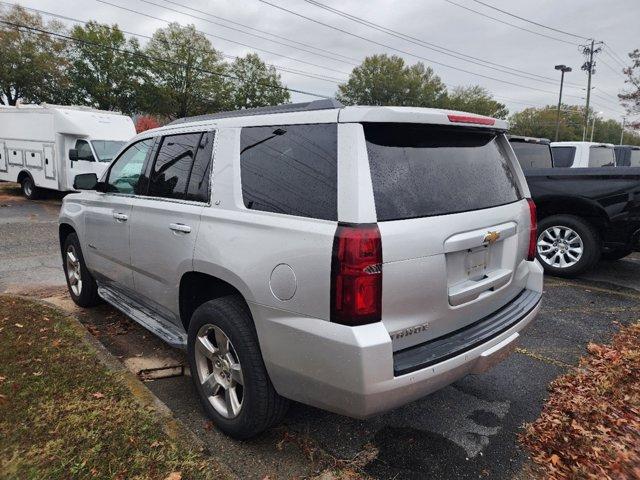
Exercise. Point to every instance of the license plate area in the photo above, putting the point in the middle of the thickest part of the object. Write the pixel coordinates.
(476, 262)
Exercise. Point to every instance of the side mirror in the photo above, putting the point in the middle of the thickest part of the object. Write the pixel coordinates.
(85, 181)
(73, 154)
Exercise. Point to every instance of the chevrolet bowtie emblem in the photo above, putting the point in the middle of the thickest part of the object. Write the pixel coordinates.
(491, 237)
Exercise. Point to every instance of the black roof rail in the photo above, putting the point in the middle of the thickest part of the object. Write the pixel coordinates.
(324, 104)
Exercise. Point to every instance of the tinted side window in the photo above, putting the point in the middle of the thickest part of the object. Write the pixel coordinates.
(532, 155)
(84, 151)
(291, 169)
(125, 171)
(198, 189)
(170, 173)
(563, 156)
(601, 157)
(634, 160)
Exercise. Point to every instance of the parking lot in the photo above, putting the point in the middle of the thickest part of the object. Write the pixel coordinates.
(467, 430)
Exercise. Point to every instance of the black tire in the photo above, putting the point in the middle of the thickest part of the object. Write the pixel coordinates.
(614, 254)
(29, 189)
(88, 293)
(261, 406)
(592, 248)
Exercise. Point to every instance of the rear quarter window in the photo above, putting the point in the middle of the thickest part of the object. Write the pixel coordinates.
(532, 155)
(601, 157)
(426, 170)
(563, 156)
(290, 169)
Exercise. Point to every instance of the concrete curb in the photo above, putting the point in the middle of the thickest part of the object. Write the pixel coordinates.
(173, 427)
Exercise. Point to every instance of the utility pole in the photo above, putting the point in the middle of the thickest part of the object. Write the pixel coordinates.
(624, 119)
(563, 69)
(590, 67)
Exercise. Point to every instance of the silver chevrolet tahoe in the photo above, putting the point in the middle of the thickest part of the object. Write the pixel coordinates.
(350, 258)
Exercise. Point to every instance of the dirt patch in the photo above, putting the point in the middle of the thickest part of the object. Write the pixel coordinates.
(590, 426)
(63, 414)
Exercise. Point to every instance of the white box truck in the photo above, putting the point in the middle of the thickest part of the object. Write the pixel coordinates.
(46, 146)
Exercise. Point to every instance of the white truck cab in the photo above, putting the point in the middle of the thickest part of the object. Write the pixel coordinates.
(46, 146)
(583, 154)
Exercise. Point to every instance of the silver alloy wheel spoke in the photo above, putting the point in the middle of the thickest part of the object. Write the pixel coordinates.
(205, 347)
(74, 276)
(221, 341)
(236, 373)
(210, 385)
(560, 246)
(219, 371)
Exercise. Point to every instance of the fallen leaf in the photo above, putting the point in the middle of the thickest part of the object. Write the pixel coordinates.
(555, 459)
(174, 476)
(97, 395)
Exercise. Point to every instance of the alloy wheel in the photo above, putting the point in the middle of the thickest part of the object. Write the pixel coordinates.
(219, 371)
(74, 276)
(560, 247)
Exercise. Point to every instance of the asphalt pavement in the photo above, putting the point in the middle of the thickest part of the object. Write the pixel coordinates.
(466, 430)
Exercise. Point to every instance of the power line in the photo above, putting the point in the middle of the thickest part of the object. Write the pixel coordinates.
(325, 78)
(224, 38)
(531, 21)
(404, 52)
(433, 46)
(611, 52)
(149, 57)
(617, 72)
(248, 33)
(510, 24)
(258, 30)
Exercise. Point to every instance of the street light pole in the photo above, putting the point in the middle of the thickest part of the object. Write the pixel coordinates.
(563, 69)
(624, 119)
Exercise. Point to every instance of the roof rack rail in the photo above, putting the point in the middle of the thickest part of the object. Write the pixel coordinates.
(324, 104)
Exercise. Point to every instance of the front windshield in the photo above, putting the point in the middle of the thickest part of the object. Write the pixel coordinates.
(106, 149)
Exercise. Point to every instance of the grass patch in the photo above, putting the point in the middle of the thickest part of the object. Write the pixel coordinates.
(590, 426)
(63, 414)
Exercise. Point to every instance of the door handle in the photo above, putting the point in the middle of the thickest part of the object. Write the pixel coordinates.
(180, 227)
(121, 217)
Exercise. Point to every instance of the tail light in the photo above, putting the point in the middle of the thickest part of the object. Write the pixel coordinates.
(533, 231)
(356, 275)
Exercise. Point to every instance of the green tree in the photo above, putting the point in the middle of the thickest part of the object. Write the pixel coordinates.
(541, 122)
(475, 99)
(187, 75)
(631, 97)
(32, 65)
(387, 80)
(254, 87)
(103, 73)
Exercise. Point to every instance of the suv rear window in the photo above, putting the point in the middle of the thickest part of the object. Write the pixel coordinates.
(291, 169)
(601, 157)
(532, 155)
(424, 170)
(563, 156)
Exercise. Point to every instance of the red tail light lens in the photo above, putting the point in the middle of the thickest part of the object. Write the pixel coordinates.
(533, 232)
(356, 275)
(471, 119)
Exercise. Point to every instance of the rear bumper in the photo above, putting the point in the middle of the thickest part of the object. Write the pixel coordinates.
(353, 370)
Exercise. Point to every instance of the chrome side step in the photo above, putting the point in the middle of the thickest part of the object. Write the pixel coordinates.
(149, 319)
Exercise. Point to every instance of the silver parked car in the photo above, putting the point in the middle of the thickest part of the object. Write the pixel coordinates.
(350, 258)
